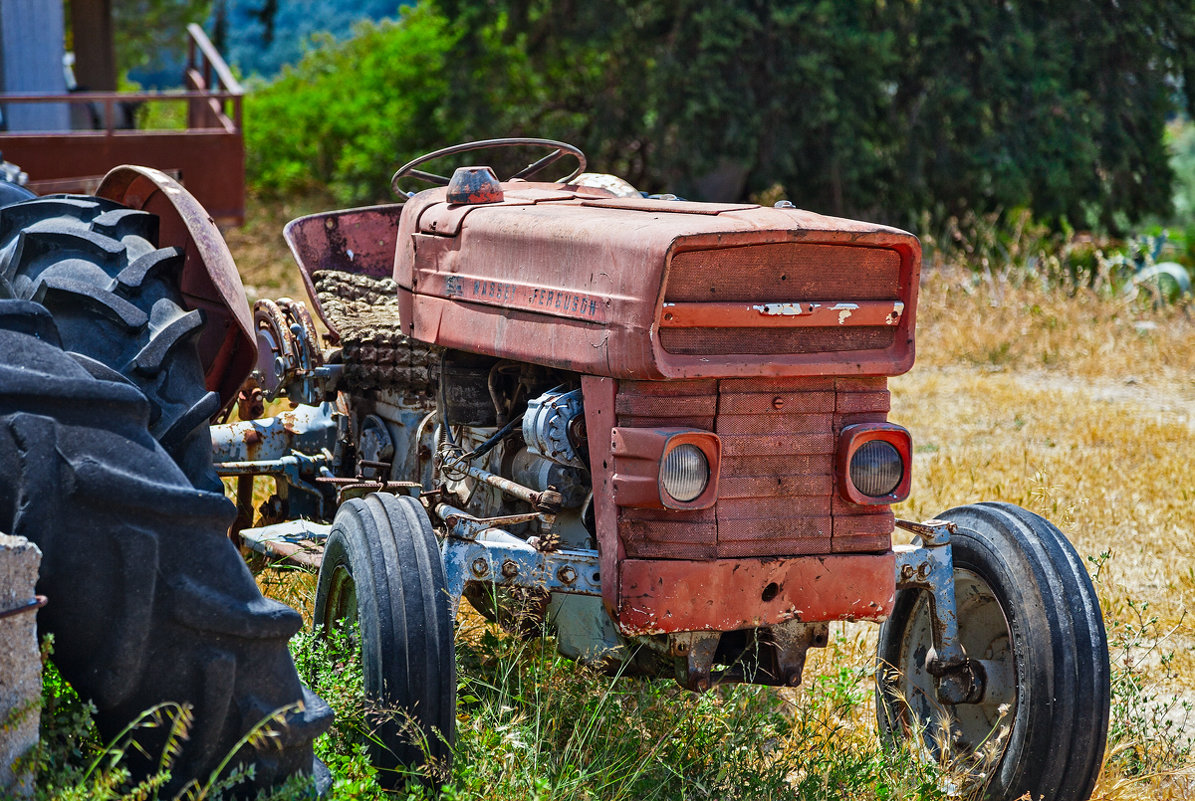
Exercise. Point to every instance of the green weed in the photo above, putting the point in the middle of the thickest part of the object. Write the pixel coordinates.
(532, 724)
(72, 762)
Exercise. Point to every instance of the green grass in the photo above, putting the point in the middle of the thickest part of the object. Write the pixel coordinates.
(533, 725)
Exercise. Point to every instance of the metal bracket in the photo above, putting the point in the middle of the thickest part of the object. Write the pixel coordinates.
(491, 555)
(928, 565)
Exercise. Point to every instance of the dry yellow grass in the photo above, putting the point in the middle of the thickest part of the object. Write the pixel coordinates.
(1082, 409)
(1079, 407)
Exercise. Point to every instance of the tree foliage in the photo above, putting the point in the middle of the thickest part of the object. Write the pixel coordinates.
(875, 108)
(350, 112)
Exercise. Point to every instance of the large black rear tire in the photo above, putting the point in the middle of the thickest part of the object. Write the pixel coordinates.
(114, 295)
(382, 569)
(149, 602)
(1027, 606)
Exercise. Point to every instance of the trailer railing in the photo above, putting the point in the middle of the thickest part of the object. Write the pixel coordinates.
(205, 150)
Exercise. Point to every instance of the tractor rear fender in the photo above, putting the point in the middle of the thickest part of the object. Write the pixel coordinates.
(210, 281)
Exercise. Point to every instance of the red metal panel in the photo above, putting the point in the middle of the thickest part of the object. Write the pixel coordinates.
(598, 394)
(777, 476)
(662, 534)
(210, 163)
(857, 531)
(669, 206)
(800, 314)
(749, 485)
(786, 420)
(783, 273)
(775, 399)
(360, 241)
(704, 405)
(657, 596)
(777, 502)
(813, 345)
(761, 384)
(772, 465)
(821, 443)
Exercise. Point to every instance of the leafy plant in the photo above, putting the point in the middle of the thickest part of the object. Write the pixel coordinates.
(348, 114)
(1139, 269)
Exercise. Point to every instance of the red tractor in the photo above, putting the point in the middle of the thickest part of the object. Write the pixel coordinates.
(658, 429)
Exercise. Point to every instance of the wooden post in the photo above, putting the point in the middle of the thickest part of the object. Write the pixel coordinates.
(95, 49)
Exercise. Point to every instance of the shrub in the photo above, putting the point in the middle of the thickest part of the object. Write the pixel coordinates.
(350, 112)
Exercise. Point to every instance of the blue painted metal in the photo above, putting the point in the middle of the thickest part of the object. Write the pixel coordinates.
(296, 541)
(31, 62)
(475, 551)
(308, 429)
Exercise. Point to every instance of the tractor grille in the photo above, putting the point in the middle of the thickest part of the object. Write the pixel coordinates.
(777, 494)
(792, 273)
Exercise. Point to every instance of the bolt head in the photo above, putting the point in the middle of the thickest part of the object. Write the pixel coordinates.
(566, 575)
(510, 569)
(480, 566)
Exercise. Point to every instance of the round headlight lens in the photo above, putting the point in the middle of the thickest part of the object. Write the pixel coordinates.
(876, 468)
(685, 473)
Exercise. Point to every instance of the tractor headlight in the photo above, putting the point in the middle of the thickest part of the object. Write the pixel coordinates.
(685, 473)
(876, 468)
(665, 468)
(873, 463)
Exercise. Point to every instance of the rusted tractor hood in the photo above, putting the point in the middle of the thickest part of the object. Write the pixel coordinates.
(653, 289)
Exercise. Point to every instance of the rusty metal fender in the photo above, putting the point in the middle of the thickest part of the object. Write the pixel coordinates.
(210, 281)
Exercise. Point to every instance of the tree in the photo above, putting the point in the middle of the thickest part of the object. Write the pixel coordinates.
(881, 109)
(862, 107)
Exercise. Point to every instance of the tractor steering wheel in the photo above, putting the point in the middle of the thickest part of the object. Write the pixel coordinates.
(558, 151)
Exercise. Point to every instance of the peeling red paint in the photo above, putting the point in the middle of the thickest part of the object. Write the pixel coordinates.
(661, 596)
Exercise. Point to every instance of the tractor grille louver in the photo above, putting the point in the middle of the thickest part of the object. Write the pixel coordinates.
(699, 281)
(777, 494)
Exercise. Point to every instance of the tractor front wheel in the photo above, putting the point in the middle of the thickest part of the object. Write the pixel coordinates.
(382, 570)
(1028, 615)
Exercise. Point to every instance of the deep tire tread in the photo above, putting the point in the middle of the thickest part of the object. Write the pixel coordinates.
(115, 297)
(120, 223)
(70, 291)
(163, 264)
(150, 359)
(152, 603)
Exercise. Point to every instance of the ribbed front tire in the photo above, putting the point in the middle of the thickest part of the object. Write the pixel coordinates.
(1027, 608)
(382, 569)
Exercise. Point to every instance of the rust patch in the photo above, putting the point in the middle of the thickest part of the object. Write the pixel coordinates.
(658, 597)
